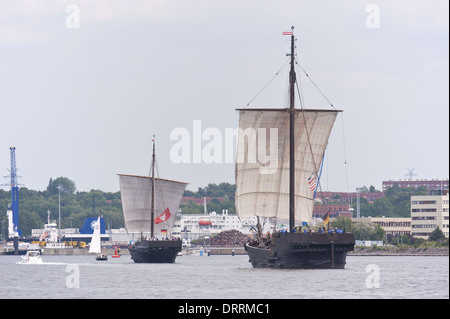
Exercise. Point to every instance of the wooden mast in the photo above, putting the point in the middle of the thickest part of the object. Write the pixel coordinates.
(292, 79)
(153, 191)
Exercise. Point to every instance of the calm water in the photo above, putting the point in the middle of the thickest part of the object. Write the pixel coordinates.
(222, 277)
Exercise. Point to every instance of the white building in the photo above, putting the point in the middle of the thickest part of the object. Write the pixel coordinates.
(428, 213)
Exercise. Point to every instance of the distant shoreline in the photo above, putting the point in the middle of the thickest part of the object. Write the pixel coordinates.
(396, 251)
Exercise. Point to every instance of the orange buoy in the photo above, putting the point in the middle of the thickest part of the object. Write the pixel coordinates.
(116, 254)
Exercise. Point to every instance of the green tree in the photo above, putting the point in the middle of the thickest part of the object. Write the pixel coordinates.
(75, 206)
(368, 230)
(436, 235)
(192, 207)
(400, 198)
(383, 207)
(342, 223)
(396, 203)
(61, 183)
(223, 190)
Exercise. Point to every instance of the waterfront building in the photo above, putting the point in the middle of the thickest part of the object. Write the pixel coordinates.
(429, 184)
(346, 197)
(333, 210)
(393, 226)
(428, 213)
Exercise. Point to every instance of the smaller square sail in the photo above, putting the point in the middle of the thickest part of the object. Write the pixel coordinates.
(136, 198)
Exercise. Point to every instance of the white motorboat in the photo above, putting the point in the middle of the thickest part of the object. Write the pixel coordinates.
(32, 257)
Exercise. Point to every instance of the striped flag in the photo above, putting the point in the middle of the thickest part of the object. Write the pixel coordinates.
(312, 182)
(287, 32)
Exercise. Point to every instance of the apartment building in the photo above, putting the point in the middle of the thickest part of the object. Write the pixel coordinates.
(429, 184)
(393, 226)
(429, 212)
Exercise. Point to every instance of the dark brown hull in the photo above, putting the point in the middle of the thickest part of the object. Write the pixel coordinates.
(162, 251)
(302, 251)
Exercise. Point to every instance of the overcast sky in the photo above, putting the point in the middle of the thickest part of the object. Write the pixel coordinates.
(83, 100)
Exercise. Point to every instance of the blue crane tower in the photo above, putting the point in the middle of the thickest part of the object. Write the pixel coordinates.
(14, 191)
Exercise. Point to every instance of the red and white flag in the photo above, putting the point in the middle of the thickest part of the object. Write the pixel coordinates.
(287, 32)
(163, 217)
(312, 182)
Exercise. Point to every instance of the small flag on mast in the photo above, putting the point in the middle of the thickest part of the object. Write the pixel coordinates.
(163, 217)
(287, 32)
(326, 218)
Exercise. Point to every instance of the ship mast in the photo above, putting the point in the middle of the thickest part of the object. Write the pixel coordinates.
(292, 79)
(153, 192)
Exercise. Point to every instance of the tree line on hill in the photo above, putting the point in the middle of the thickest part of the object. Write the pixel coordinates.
(396, 203)
(76, 205)
(225, 191)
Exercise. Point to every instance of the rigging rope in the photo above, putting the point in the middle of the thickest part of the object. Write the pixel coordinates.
(345, 160)
(343, 132)
(268, 83)
(300, 95)
(307, 131)
(161, 191)
(320, 91)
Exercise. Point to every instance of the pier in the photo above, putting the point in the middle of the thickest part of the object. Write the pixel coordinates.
(211, 251)
(204, 251)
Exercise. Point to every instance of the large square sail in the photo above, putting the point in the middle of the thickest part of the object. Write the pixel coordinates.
(262, 186)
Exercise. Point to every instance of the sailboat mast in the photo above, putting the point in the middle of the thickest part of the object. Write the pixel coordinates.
(153, 192)
(292, 79)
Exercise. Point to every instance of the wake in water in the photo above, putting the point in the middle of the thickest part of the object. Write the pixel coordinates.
(43, 263)
(63, 264)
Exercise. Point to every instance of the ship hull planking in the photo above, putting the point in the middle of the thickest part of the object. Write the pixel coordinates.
(161, 251)
(302, 251)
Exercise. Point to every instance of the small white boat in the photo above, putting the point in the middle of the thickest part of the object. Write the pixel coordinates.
(32, 257)
(101, 257)
(96, 245)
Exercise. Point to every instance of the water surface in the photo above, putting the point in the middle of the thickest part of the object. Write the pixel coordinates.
(223, 277)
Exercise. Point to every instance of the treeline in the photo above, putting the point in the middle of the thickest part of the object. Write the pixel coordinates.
(75, 206)
(223, 190)
(396, 203)
(367, 230)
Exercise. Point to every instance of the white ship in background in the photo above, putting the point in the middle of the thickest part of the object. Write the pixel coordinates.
(50, 234)
(197, 226)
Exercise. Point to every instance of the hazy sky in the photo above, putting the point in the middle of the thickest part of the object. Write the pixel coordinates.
(83, 100)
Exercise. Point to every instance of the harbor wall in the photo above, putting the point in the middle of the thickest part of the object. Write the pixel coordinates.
(211, 251)
(226, 250)
(124, 251)
(80, 251)
(399, 251)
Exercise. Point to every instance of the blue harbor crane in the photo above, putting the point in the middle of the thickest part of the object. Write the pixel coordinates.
(14, 191)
